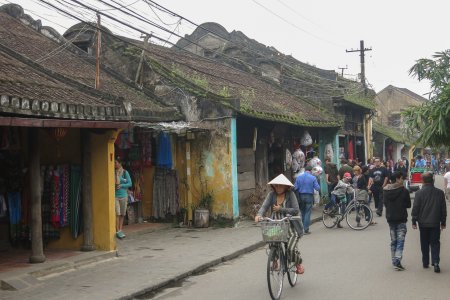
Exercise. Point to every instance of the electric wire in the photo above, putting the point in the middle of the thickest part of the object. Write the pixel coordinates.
(200, 71)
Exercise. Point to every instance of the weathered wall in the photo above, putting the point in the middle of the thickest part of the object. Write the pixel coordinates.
(211, 168)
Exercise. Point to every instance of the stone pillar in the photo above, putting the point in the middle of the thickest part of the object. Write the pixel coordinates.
(37, 247)
(88, 243)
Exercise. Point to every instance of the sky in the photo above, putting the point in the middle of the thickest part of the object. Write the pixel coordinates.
(315, 32)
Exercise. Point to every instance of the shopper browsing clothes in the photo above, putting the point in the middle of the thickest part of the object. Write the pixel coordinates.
(123, 183)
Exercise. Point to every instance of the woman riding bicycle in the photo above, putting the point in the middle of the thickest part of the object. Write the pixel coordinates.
(282, 201)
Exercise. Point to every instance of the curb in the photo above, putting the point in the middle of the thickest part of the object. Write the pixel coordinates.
(15, 283)
(200, 268)
(194, 271)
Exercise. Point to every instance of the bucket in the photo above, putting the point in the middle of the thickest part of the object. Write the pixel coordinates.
(201, 218)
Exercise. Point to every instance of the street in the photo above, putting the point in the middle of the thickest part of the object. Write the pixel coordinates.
(339, 263)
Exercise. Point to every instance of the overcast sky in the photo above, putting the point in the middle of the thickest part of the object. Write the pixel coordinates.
(316, 32)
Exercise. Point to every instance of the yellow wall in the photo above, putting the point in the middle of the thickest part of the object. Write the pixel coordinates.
(147, 198)
(211, 164)
(103, 193)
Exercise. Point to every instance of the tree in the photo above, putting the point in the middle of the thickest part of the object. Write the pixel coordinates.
(430, 122)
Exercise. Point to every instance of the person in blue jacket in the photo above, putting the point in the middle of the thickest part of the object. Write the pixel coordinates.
(305, 184)
(122, 184)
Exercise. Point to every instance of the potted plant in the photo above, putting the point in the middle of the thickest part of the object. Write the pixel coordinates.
(202, 211)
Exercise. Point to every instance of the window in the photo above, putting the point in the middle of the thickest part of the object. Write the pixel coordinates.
(394, 120)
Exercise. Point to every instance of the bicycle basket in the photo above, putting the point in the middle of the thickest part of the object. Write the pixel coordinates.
(275, 231)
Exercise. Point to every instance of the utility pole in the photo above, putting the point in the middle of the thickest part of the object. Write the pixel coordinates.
(99, 42)
(342, 70)
(141, 60)
(361, 50)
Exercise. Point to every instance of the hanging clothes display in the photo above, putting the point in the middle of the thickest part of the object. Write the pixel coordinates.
(60, 200)
(165, 193)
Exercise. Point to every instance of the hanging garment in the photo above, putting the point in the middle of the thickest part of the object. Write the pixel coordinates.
(54, 204)
(166, 199)
(350, 150)
(49, 232)
(64, 172)
(75, 201)
(164, 155)
(15, 208)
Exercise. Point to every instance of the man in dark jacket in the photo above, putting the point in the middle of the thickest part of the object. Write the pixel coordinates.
(430, 210)
(396, 200)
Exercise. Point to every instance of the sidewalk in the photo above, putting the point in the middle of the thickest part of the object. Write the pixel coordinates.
(148, 259)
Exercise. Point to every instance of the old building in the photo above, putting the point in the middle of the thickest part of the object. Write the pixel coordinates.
(344, 99)
(391, 142)
(60, 132)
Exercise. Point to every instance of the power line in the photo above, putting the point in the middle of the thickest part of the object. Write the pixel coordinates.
(193, 68)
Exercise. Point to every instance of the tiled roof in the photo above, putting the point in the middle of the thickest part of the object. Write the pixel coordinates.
(394, 134)
(78, 70)
(257, 98)
(26, 91)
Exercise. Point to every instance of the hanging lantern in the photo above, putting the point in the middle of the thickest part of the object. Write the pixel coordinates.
(58, 134)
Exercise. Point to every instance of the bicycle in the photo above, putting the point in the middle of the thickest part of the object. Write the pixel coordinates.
(275, 233)
(357, 214)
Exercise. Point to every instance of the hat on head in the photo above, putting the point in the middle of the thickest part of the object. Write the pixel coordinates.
(281, 179)
(347, 175)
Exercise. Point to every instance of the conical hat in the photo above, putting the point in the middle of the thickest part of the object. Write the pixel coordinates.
(281, 179)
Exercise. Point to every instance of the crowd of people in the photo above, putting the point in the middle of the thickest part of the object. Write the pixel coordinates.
(377, 180)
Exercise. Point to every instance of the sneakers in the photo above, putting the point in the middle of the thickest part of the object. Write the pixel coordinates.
(300, 269)
(398, 266)
(120, 234)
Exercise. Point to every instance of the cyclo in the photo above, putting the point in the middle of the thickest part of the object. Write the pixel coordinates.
(282, 232)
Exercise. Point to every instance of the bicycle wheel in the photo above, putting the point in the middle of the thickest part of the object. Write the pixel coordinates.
(291, 269)
(358, 216)
(331, 218)
(275, 272)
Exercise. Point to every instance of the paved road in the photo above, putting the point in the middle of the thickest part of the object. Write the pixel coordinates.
(340, 264)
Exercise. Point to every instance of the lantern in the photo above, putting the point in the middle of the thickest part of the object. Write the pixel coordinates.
(58, 134)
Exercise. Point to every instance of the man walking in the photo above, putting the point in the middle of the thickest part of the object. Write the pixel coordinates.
(378, 177)
(305, 184)
(396, 200)
(430, 211)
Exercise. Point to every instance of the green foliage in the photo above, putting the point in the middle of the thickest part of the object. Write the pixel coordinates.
(428, 123)
(224, 92)
(206, 200)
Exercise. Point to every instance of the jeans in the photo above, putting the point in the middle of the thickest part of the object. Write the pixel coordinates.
(398, 235)
(430, 239)
(378, 198)
(307, 201)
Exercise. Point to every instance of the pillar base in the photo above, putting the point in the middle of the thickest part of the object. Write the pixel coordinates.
(36, 259)
(87, 248)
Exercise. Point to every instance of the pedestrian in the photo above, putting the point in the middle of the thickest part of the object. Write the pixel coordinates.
(401, 167)
(122, 184)
(282, 201)
(345, 167)
(447, 182)
(430, 211)
(305, 185)
(378, 178)
(396, 200)
(331, 175)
